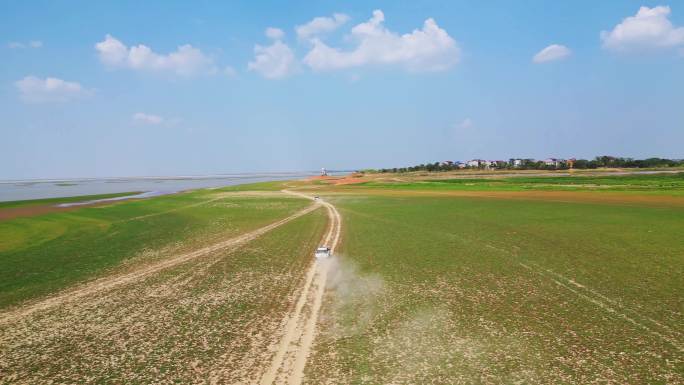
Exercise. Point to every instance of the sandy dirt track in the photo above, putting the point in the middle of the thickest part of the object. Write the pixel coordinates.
(108, 283)
(299, 326)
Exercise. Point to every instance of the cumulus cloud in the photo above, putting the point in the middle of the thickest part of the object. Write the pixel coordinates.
(30, 44)
(186, 60)
(144, 118)
(427, 49)
(552, 53)
(36, 90)
(321, 25)
(275, 61)
(650, 28)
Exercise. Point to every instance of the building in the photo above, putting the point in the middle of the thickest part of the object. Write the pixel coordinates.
(553, 162)
(515, 162)
(475, 163)
(500, 164)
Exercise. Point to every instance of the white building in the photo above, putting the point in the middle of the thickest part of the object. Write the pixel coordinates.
(553, 162)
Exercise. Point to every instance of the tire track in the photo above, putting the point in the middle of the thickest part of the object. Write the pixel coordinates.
(611, 301)
(652, 326)
(299, 327)
(617, 311)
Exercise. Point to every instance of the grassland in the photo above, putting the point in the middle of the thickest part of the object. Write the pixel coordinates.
(490, 279)
(210, 320)
(491, 289)
(43, 254)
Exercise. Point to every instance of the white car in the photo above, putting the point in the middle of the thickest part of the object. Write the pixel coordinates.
(322, 252)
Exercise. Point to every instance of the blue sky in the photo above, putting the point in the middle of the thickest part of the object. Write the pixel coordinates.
(103, 89)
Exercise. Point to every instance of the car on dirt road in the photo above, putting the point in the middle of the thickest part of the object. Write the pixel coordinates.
(322, 252)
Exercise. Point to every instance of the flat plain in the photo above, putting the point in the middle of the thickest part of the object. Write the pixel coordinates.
(505, 281)
(438, 278)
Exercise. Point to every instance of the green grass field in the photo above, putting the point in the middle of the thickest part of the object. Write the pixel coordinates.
(46, 253)
(210, 318)
(473, 290)
(520, 281)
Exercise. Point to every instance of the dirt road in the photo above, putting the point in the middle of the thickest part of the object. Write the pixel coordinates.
(299, 326)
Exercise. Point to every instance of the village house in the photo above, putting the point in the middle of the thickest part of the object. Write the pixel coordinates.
(475, 163)
(500, 164)
(553, 162)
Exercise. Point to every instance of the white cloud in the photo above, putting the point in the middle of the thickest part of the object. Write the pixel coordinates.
(427, 49)
(650, 28)
(274, 33)
(186, 60)
(275, 61)
(552, 53)
(321, 25)
(30, 44)
(142, 117)
(36, 90)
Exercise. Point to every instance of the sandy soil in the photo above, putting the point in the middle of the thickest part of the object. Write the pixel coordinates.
(299, 326)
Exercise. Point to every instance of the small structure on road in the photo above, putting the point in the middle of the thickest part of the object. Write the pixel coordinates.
(322, 252)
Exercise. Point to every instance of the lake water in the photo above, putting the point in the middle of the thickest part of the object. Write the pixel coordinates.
(39, 189)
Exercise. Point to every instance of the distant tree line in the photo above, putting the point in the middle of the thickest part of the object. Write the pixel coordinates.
(532, 164)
